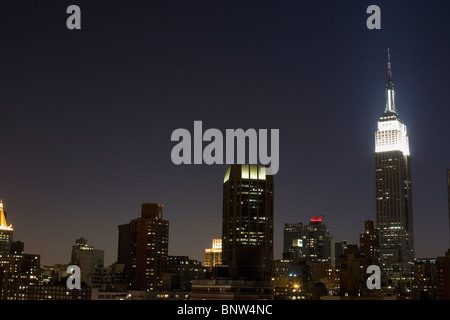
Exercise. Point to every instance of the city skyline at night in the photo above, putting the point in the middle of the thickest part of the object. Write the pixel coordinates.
(87, 115)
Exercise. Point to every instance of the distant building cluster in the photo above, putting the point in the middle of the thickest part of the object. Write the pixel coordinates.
(238, 266)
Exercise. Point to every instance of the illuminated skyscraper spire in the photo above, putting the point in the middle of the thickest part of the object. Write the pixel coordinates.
(390, 93)
(392, 133)
(3, 224)
(6, 236)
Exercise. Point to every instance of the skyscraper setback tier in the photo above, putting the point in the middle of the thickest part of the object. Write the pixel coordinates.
(247, 225)
(394, 217)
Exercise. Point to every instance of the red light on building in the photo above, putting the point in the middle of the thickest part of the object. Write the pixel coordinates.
(317, 219)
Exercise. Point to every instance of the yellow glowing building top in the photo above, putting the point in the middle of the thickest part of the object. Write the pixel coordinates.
(3, 224)
(213, 256)
(252, 171)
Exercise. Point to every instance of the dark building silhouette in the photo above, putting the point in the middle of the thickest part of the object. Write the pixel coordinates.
(317, 240)
(17, 269)
(143, 248)
(443, 277)
(187, 270)
(292, 241)
(425, 278)
(24, 263)
(337, 249)
(124, 246)
(352, 274)
(369, 244)
(247, 225)
(17, 247)
(394, 216)
(443, 263)
(448, 192)
(87, 258)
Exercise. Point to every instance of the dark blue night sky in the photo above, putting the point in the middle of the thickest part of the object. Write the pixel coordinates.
(86, 115)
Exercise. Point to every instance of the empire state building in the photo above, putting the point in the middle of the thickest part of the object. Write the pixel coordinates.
(394, 217)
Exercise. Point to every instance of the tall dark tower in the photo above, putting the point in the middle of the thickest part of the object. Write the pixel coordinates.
(448, 191)
(369, 245)
(247, 225)
(317, 240)
(394, 216)
(149, 242)
(292, 241)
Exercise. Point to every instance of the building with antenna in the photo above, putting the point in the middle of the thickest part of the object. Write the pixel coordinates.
(394, 214)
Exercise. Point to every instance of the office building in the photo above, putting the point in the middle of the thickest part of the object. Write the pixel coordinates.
(187, 270)
(394, 214)
(337, 250)
(25, 263)
(425, 279)
(247, 239)
(290, 279)
(247, 225)
(443, 277)
(124, 246)
(54, 274)
(369, 244)
(213, 255)
(317, 240)
(87, 258)
(149, 243)
(292, 241)
(351, 271)
(24, 270)
(17, 269)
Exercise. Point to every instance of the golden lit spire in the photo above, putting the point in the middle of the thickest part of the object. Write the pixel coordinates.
(3, 224)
